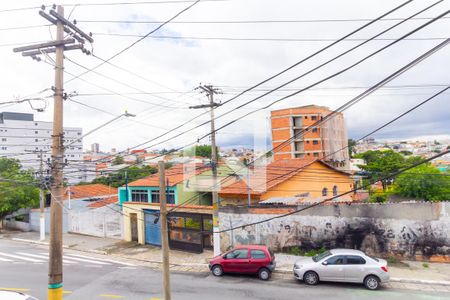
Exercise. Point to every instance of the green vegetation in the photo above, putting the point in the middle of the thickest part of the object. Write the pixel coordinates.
(423, 182)
(425, 265)
(118, 178)
(199, 150)
(351, 148)
(17, 188)
(296, 250)
(392, 260)
(118, 160)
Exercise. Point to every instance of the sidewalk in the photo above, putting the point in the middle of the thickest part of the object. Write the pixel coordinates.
(405, 274)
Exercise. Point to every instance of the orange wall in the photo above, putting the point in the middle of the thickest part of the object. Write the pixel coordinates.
(312, 179)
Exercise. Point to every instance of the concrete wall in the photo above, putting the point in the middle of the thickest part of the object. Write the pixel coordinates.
(105, 221)
(408, 230)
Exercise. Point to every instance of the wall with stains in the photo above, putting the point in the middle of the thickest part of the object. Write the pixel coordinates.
(406, 230)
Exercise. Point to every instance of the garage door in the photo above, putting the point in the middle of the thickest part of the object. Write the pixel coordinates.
(152, 230)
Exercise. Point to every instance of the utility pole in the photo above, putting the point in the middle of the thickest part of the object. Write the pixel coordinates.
(210, 91)
(164, 230)
(55, 270)
(41, 194)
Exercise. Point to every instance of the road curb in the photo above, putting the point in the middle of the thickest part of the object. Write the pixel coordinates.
(64, 246)
(393, 279)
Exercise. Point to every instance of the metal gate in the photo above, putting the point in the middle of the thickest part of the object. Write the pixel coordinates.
(152, 230)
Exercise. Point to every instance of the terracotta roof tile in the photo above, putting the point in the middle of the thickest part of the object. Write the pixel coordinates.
(89, 191)
(104, 202)
(174, 175)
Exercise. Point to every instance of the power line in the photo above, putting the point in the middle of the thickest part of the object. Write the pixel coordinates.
(251, 21)
(137, 41)
(393, 174)
(252, 39)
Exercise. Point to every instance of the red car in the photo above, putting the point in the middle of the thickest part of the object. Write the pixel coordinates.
(248, 259)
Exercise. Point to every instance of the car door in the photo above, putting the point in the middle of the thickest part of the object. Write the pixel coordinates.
(355, 268)
(236, 261)
(332, 269)
(258, 259)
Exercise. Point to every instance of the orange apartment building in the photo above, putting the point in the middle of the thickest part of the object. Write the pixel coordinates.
(327, 141)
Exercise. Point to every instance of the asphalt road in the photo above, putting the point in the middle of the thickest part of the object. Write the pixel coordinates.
(100, 278)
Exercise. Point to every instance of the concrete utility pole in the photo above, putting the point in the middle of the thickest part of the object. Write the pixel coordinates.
(164, 230)
(55, 272)
(41, 194)
(210, 91)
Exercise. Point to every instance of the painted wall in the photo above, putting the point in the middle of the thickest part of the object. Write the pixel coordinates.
(312, 179)
(408, 230)
(122, 192)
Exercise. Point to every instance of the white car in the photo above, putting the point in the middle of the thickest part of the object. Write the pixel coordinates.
(342, 265)
(11, 295)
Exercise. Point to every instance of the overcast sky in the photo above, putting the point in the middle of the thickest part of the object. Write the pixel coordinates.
(170, 69)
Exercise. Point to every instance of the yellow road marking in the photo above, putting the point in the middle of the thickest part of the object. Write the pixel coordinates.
(67, 292)
(15, 289)
(111, 296)
(155, 298)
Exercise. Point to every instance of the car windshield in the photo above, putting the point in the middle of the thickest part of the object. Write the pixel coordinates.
(374, 258)
(321, 256)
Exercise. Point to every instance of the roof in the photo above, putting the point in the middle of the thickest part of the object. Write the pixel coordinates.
(346, 251)
(267, 177)
(104, 202)
(174, 175)
(262, 247)
(89, 191)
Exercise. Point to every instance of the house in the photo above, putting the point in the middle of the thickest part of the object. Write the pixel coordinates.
(190, 217)
(284, 178)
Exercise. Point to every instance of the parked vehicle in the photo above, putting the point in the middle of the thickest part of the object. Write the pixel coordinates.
(343, 265)
(248, 259)
(11, 295)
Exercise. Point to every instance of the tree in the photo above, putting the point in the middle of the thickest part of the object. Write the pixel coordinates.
(424, 182)
(351, 147)
(118, 160)
(17, 188)
(117, 179)
(380, 164)
(199, 150)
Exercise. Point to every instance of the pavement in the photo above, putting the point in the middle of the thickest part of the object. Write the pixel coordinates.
(23, 267)
(410, 275)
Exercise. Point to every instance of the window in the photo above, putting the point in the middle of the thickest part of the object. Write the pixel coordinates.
(4, 148)
(36, 140)
(314, 129)
(336, 260)
(314, 118)
(155, 196)
(238, 254)
(355, 260)
(139, 195)
(316, 154)
(3, 139)
(35, 124)
(315, 142)
(321, 256)
(170, 196)
(335, 190)
(36, 132)
(257, 254)
(324, 191)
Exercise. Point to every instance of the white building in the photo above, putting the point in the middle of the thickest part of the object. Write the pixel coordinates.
(21, 137)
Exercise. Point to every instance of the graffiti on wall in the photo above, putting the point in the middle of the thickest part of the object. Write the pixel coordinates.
(409, 238)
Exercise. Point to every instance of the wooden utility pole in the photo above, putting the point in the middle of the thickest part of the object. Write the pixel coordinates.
(210, 91)
(164, 230)
(55, 270)
(41, 198)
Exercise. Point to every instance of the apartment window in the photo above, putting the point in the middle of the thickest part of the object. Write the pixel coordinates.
(298, 122)
(335, 190)
(36, 132)
(314, 118)
(139, 196)
(306, 117)
(3, 139)
(79, 133)
(314, 129)
(316, 154)
(35, 124)
(4, 148)
(36, 140)
(324, 191)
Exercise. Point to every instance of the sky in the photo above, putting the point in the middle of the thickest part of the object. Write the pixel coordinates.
(157, 77)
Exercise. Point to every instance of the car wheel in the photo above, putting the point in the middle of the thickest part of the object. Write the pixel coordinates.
(311, 278)
(372, 282)
(264, 274)
(217, 270)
